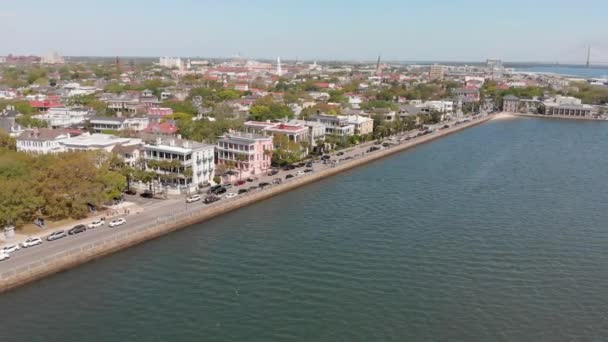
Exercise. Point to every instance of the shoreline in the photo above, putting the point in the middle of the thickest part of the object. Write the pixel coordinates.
(563, 117)
(73, 257)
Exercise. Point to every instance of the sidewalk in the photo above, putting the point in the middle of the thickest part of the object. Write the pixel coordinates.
(122, 209)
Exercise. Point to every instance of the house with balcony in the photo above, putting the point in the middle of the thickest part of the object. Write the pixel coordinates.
(102, 123)
(181, 166)
(243, 155)
(363, 125)
(335, 124)
(65, 117)
(96, 141)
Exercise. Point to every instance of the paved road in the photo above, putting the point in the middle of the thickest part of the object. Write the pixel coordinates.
(169, 207)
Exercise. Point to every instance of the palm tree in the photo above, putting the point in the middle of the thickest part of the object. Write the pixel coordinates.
(241, 159)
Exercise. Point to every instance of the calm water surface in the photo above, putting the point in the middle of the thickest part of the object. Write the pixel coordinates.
(499, 232)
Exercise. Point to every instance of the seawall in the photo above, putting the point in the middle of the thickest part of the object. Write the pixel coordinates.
(73, 257)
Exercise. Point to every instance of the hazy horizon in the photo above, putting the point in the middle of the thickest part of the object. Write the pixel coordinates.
(436, 30)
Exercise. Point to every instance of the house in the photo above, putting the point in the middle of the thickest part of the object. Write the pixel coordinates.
(246, 153)
(294, 133)
(102, 123)
(65, 117)
(363, 125)
(566, 106)
(510, 104)
(41, 140)
(467, 93)
(443, 107)
(130, 154)
(96, 141)
(8, 119)
(335, 124)
(44, 105)
(181, 165)
(165, 128)
(316, 130)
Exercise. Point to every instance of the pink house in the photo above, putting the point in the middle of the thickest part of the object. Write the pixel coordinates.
(245, 154)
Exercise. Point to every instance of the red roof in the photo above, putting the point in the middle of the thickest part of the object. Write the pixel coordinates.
(45, 104)
(163, 127)
(322, 84)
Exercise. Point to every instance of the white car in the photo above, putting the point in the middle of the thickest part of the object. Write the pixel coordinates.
(117, 222)
(95, 224)
(9, 249)
(33, 241)
(4, 256)
(300, 173)
(230, 195)
(193, 198)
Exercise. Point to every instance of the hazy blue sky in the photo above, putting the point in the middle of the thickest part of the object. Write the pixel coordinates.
(465, 30)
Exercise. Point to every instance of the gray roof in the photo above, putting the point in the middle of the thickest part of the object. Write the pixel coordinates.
(510, 97)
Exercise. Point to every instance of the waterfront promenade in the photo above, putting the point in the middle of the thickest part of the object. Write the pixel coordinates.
(163, 217)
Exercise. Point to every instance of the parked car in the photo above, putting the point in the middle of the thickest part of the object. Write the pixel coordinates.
(446, 126)
(273, 172)
(81, 228)
(131, 192)
(289, 176)
(264, 184)
(117, 222)
(220, 191)
(211, 199)
(326, 157)
(146, 194)
(277, 181)
(309, 164)
(56, 235)
(253, 187)
(242, 191)
(251, 179)
(10, 249)
(308, 170)
(300, 173)
(193, 198)
(96, 223)
(340, 153)
(213, 189)
(230, 195)
(239, 182)
(31, 242)
(301, 164)
(386, 145)
(228, 186)
(4, 256)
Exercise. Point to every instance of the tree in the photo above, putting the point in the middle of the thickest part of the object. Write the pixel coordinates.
(285, 151)
(8, 142)
(28, 121)
(19, 202)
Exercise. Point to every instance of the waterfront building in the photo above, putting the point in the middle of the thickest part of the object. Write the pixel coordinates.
(295, 133)
(181, 165)
(96, 141)
(363, 125)
(246, 153)
(567, 106)
(316, 130)
(510, 104)
(444, 107)
(41, 140)
(335, 124)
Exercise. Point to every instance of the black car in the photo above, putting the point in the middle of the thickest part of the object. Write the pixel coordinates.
(77, 229)
(373, 148)
(220, 190)
(147, 194)
(340, 153)
(253, 187)
(386, 145)
(273, 172)
(277, 181)
(308, 170)
(263, 184)
(301, 164)
(213, 189)
(211, 199)
(326, 157)
(289, 176)
(242, 191)
(309, 164)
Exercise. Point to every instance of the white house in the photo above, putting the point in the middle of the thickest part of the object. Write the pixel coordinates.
(195, 160)
(101, 123)
(64, 117)
(96, 141)
(41, 140)
(363, 125)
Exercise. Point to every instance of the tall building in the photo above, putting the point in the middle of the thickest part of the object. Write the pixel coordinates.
(169, 62)
(436, 72)
(279, 69)
(52, 58)
(245, 154)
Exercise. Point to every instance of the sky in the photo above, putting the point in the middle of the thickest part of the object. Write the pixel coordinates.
(422, 30)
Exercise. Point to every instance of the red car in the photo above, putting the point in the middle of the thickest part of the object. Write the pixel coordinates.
(237, 183)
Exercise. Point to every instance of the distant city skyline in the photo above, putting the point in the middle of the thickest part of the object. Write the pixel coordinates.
(436, 30)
